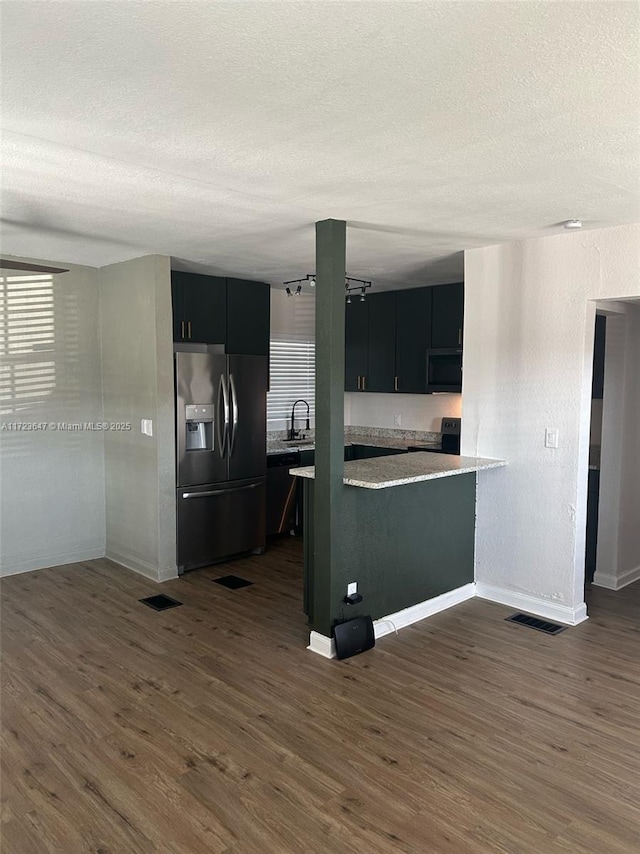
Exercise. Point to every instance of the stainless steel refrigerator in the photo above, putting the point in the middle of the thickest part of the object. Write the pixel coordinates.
(221, 456)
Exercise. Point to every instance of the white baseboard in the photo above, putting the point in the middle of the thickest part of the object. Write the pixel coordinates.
(613, 582)
(135, 564)
(322, 645)
(415, 613)
(30, 563)
(533, 605)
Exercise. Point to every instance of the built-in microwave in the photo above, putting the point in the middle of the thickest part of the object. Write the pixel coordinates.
(444, 370)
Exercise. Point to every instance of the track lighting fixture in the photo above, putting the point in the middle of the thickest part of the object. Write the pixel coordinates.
(350, 284)
(310, 278)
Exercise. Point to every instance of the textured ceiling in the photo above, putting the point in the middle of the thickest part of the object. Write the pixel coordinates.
(220, 132)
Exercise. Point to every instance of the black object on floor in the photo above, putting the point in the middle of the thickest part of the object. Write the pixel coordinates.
(354, 636)
(233, 582)
(535, 623)
(160, 602)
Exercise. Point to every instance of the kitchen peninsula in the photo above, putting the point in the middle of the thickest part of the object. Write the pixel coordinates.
(408, 530)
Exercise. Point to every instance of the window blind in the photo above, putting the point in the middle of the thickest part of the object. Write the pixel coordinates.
(292, 376)
(27, 342)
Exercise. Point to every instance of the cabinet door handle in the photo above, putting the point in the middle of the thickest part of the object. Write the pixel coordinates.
(358, 382)
(395, 383)
(460, 336)
(188, 329)
(364, 383)
(182, 328)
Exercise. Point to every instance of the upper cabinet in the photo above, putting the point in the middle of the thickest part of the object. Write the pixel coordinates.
(356, 352)
(388, 337)
(199, 308)
(216, 310)
(370, 343)
(413, 339)
(447, 316)
(247, 317)
(381, 368)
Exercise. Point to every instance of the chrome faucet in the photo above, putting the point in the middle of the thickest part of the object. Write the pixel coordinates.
(293, 433)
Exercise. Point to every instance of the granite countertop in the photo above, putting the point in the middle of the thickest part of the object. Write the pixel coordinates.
(401, 469)
(279, 446)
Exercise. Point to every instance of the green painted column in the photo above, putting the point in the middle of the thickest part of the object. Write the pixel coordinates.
(331, 244)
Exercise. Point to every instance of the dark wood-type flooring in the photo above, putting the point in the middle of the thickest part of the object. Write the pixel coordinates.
(209, 728)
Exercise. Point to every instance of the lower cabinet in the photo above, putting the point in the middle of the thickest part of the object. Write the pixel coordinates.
(366, 452)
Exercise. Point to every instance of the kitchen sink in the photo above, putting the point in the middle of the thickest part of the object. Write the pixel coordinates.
(299, 441)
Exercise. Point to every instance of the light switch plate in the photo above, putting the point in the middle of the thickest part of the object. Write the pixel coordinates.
(352, 588)
(146, 426)
(551, 437)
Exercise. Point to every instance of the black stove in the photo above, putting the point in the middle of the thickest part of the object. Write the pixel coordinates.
(450, 429)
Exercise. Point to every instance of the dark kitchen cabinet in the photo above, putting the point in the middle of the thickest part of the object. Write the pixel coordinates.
(216, 310)
(367, 452)
(199, 308)
(413, 339)
(356, 322)
(381, 352)
(247, 317)
(388, 337)
(447, 314)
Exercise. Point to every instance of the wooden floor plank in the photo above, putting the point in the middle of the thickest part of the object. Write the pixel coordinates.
(210, 727)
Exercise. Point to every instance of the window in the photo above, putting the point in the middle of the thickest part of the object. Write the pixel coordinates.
(292, 376)
(27, 342)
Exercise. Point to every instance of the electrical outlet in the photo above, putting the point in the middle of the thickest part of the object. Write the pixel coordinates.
(551, 437)
(352, 588)
(397, 419)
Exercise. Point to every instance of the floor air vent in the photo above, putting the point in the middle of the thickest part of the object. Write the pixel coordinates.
(233, 582)
(160, 602)
(535, 623)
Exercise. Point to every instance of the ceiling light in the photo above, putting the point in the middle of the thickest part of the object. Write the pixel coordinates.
(310, 277)
(362, 296)
(348, 299)
(573, 223)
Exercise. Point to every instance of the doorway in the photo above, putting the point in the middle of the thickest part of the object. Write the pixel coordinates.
(612, 555)
(595, 446)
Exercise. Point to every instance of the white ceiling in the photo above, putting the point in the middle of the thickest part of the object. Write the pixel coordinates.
(219, 132)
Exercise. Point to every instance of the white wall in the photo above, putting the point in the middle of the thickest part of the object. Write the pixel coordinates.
(137, 370)
(618, 557)
(528, 344)
(416, 411)
(295, 316)
(52, 504)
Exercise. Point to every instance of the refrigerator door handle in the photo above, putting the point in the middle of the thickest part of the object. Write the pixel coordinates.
(211, 492)
(224, 431)
(234, 407)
